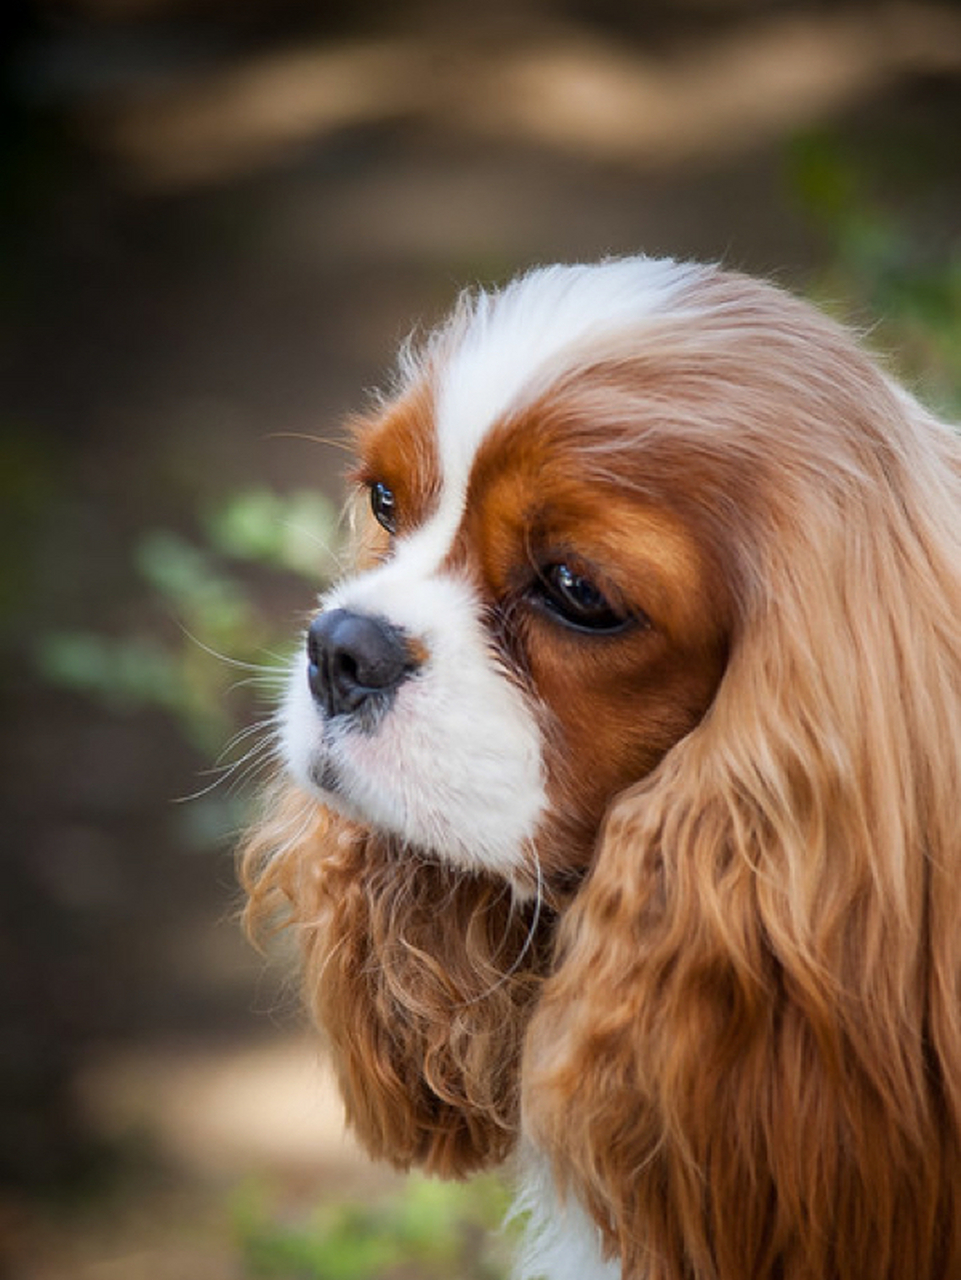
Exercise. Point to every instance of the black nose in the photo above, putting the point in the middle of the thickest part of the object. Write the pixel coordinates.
(351, 658)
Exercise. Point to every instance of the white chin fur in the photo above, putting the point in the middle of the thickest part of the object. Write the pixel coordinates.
(454, 767)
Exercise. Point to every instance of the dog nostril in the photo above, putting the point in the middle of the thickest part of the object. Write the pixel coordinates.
(346, 668)
(351, 657)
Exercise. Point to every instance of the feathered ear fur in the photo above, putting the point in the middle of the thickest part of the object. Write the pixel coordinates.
(748, 1063)
(422, 978)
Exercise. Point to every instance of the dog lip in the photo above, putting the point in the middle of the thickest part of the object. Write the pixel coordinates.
(364, 719)
(325, 775)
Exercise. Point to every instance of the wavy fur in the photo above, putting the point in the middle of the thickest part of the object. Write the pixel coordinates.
(748, 1062)
(422, 977)
(738, 1044)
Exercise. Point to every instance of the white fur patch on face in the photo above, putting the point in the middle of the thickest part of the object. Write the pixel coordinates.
(454, 767)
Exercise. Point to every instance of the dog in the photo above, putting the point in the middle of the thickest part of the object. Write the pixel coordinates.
(620, 821)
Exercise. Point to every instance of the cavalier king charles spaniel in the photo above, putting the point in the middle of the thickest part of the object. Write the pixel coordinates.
(620, 822)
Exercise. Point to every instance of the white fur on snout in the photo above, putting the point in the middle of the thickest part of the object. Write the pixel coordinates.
(454, 766)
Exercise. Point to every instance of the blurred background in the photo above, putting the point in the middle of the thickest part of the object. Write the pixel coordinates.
(217, 220)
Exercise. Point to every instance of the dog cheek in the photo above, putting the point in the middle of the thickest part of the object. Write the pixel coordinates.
(455, 768)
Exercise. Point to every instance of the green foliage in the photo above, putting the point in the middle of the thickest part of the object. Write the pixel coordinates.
(431, 1230)
(296, 531)
(204, 624)
(882, 269)
(123, 673)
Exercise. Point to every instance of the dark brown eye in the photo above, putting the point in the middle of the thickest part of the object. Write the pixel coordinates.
(384, 506)
(576, 601)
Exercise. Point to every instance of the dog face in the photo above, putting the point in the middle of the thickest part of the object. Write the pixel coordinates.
(536, 627)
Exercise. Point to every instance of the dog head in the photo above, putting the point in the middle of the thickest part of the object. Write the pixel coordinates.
(625, 775)
(546, 608)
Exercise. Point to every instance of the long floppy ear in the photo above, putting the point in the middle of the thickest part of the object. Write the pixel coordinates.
(748, 1062)
(422, 978)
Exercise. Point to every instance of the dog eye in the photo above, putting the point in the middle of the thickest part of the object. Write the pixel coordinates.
(577, 601)
(384, 506)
